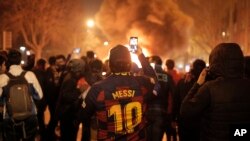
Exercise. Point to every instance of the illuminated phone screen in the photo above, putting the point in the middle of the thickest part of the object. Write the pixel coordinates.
(133, 44)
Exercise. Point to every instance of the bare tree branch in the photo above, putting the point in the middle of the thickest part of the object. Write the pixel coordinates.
(40, 22)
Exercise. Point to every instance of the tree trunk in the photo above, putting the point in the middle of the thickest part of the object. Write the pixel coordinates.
(38, 52)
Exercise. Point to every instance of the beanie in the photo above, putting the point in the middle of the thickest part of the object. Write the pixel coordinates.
(119, 54)
(76, 65)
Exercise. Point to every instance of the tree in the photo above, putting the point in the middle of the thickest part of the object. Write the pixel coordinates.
(40, 23)
(212, 23)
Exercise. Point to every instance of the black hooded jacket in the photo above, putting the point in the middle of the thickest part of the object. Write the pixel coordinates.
(224, 101)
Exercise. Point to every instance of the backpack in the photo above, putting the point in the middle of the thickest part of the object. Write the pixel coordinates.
(19, 103)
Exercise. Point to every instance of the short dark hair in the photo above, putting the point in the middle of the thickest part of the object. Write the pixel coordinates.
(96, 65)
(60, 57)
(2, 60)
(90, 54)
(14, 57)
(120, 66)
(170, 64)
(41, 62)
(52, 60)
(198, 66)
(156, 59)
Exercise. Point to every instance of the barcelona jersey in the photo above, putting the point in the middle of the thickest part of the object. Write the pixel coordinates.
(119, 104)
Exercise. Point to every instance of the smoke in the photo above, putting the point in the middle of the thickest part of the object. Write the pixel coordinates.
(160, 25)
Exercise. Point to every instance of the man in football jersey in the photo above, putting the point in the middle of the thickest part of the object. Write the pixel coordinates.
(119, 101)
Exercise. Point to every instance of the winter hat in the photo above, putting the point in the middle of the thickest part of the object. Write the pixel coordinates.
(76, 65)
(119, 54)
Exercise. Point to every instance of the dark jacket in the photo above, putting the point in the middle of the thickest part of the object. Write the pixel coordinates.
(166, 89)
(223, 101)
(69, 96)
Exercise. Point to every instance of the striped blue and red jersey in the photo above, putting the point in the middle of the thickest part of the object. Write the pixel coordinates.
(119, 104)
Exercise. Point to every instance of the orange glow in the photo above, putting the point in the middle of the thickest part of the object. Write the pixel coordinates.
(146, 52)
(90, 23)
(134, 57)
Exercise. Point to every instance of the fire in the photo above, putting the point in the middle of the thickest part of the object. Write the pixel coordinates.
(135, 59)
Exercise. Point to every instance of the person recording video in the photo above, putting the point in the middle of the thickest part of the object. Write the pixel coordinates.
(223, 101)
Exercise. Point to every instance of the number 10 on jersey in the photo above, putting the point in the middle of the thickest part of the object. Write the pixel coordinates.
(123, 117)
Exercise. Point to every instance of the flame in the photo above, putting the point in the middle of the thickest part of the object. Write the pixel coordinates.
(135, 59)
(160, 25)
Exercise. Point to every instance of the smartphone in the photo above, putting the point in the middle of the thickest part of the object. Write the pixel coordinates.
(77, 50)
(133, 43)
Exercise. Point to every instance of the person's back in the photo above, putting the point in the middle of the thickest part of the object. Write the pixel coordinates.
(160, 107)
(223, 101)
(122, 96)
(73, 86)
(40, 72)
(170, 64)
(247, 67)
(229, 105)
(17, 88)
(119, 101)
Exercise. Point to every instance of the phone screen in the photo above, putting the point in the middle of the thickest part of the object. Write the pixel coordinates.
(133, 42)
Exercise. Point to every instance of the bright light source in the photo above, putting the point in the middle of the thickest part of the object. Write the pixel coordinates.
(104, 73)
(207, 64)
(180, 66)
(28, 52)
(223, 34)
(135, 59)
(22, 62)
(77, 50)
(22, 48)
(95, 56)
(187, 68)
(146, 52)
(152, 65)
(90, 23)
(106, 43)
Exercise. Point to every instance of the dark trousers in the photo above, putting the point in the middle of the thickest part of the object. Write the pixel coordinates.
(170, 131)
(188, 131)
(52, 122)
(1, 127)
(41, 106)
(86, 133)
(25, 130)
(155, 130)
(159, 123)
(69, 128)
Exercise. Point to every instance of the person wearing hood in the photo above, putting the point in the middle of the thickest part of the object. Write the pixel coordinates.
(247, 67)
(222, 101)
(73, 85)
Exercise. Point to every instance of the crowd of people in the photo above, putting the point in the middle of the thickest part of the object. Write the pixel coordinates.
(125, 102)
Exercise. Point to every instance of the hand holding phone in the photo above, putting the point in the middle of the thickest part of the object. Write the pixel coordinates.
(133, 43)
(202, 78)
